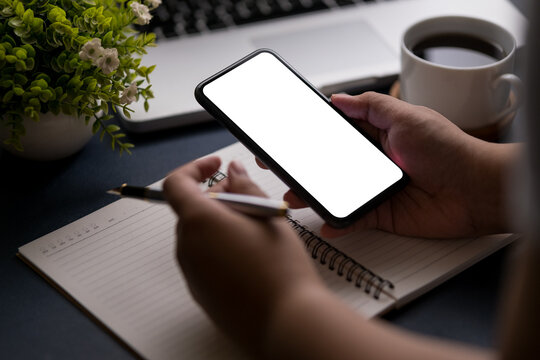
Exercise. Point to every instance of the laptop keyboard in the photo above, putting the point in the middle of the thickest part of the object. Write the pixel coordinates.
(175, 18)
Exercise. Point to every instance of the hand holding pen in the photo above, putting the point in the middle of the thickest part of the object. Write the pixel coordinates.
(248, 204)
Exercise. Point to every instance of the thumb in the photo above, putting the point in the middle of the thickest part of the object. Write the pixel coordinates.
(240, 182)
(378, 109)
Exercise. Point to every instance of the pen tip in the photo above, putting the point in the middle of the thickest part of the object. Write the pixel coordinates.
(115, 191)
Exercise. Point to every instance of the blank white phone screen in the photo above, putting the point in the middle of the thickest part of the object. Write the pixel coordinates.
(325, 154)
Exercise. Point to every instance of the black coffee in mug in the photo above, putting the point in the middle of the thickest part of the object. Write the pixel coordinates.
(458, 50)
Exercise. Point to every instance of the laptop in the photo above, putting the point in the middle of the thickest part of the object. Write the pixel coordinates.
(336, 44)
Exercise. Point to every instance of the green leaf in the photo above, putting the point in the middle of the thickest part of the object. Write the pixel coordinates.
(95, 127)
(18, 91)
(7, 96)
(76, 99)
(43, 76)
(126, 113)
(37, 25)
(107, 38)
(22, 32)
(28, 111)
(28, 16)
(20, 53)
(19, 9)
(42, 83)
(30, 63)
(112, 128)
(35, 103)
(20, 65)
(91, 85)
(106, 117)
(74, 62)
(75, 83)
(6, 83)
(46, 95)
(104, 107)
(20, 79)
(15, 23)
(9, 42)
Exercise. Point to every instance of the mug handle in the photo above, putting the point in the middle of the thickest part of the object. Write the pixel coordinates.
(516, 86)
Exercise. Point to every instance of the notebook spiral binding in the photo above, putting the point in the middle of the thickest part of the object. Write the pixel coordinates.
(327, 254)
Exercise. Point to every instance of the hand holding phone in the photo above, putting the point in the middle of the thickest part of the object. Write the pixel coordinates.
(301, 136)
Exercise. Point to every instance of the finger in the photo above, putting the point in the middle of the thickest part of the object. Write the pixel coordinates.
(261, 164)
(181, 187)
(294, 201)
(240, 182)
(378, 109)
(342, 101)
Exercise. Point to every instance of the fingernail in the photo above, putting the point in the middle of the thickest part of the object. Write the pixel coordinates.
(237, 169)
(339, 96)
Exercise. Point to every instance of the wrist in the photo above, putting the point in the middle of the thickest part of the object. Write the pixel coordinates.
(490, 174)
(296, 322)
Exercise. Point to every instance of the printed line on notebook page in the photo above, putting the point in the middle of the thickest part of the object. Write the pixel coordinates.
(104, 231)
(121, 257)
(107, 241)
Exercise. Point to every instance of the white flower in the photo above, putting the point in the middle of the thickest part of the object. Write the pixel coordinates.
(91, 50)
(106, 59)
(141, 12)
(129, 94)
(152, 4)
(108, 62)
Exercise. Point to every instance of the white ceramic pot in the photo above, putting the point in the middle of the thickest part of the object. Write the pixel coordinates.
(53, 137)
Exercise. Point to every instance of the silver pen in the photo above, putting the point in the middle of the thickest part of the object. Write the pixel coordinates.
(246, 204)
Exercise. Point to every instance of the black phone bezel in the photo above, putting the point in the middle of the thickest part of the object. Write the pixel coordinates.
(299, 190)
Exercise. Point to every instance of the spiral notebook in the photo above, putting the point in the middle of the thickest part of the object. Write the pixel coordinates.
(118, 265)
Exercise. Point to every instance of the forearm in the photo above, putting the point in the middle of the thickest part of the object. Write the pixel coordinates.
(314, 324)
(520, 325)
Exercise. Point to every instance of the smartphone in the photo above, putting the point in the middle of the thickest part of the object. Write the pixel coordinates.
(297, 132)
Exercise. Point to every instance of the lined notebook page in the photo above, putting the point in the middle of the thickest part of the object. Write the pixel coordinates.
(118, 263)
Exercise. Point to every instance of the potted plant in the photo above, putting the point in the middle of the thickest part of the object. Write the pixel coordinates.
(74, 59)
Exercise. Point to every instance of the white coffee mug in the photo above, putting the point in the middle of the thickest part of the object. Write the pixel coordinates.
(472, 97)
